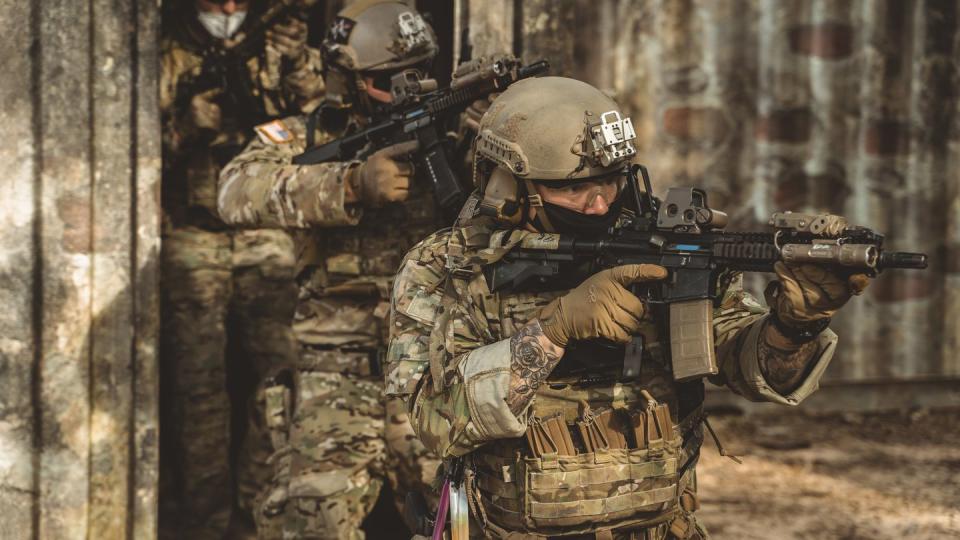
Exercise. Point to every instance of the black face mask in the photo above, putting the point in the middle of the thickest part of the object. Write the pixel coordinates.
(565, 220)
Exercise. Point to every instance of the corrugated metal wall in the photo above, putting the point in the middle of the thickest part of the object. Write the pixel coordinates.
(814, 105)
(79, 238)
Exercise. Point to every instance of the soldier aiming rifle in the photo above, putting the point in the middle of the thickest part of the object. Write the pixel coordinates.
(493, 322)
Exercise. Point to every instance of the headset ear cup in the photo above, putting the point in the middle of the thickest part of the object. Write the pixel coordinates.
(502, 198)
(539, 218)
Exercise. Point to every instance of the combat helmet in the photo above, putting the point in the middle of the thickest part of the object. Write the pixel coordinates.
(551, 130)
(373, 39)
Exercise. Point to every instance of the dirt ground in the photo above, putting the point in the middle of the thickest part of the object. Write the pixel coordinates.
(840, 476)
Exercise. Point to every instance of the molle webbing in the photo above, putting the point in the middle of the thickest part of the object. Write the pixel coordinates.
(628, 467)
(582, 495)
(310, 254)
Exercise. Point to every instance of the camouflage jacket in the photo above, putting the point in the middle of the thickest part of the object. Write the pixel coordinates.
(346, 255)
(192, 158)
(449, 353)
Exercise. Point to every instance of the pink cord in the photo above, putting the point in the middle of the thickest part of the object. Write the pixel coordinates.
(442, 510)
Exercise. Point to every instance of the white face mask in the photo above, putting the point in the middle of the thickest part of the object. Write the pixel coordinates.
(221, 25)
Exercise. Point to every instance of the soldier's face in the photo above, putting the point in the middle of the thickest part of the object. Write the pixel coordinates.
(383, 96)
(221, 18)
(226, 7)
(378, 84)
(591, 198)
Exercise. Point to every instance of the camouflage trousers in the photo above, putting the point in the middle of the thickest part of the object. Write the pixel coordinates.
(337, 440)
(228, 298)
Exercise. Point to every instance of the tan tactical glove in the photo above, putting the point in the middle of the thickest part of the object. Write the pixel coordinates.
(289, 38)
(384, 178)
(204, 112)
(806, 292)
(601, 307)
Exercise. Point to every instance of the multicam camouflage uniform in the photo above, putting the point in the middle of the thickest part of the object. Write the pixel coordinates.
(331, 442)
(228, 296)
(449, 328)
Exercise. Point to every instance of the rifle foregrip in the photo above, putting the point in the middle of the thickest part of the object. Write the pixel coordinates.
(691, 339)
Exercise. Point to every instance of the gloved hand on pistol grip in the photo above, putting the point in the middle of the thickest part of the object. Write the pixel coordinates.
(601, 307)
(808, 292)
(384, 177)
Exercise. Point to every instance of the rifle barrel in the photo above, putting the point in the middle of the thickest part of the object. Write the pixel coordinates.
(534, 69)
(902, 259)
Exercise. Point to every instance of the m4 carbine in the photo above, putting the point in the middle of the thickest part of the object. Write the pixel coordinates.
(684, 235)
(420, 114)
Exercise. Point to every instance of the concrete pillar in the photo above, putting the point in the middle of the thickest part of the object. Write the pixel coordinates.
(79, 243)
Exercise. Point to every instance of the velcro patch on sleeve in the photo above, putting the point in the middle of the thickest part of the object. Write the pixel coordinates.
(274, 132)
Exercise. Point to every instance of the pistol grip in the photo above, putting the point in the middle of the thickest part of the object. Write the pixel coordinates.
(691, 339)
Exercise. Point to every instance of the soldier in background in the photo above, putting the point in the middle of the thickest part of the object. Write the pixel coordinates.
(602, 457)
(352, 222)
(227, 296)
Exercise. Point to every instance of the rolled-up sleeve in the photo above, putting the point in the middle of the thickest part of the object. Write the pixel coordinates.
(747, 378)
(738, 329)
(469, 408)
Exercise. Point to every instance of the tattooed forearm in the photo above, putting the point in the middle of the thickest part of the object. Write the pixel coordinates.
(784, 364)
(532, 358)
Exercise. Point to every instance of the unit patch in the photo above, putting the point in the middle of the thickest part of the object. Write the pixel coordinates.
(274, 132)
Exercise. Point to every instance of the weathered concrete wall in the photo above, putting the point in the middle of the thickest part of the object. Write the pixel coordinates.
(850, 107)
(78, 244)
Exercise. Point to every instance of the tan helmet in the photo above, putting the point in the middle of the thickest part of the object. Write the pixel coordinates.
(543, 129)
(379, 35)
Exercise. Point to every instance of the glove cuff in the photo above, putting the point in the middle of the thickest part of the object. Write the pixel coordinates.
(360, 188)
(799, 333)
(551, 325)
